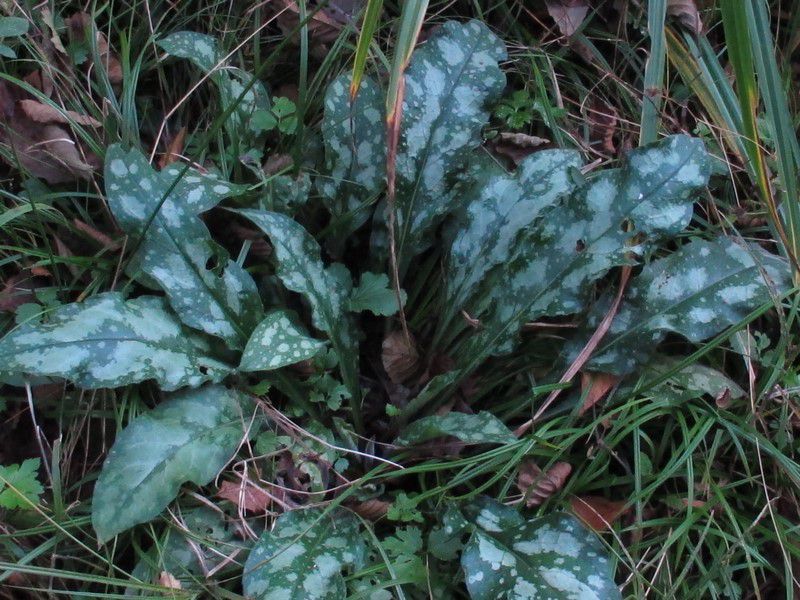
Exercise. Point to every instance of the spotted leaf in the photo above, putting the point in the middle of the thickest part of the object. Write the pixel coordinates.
(177, 246)
(301, 270)
(695, 292)
(549, 557)
(187, 438)
(204, 52)
(616, 215)
(107, 341)
(449, 85)
(276, 343)
(303, 556)
(355, 153)
(480, 428)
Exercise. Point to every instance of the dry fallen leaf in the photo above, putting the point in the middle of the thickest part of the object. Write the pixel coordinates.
(596, 511)
(517, 146)
(168, 580)
(400, 360)
(44, 113)
(687, 14)
(174, 150)
(80, 27)
(595, 386)
(568, 14)
(19, 289)
(371, 510)
(246, 495)
(536, 485)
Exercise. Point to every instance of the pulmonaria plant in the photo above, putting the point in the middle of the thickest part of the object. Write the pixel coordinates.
(513, 247)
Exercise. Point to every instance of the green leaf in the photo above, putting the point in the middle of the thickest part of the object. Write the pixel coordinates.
(276, 343)
(204, 52)
(301, 270)
(618, 213)
(13, 26)
(19, 486)
(177, 245)
(106, 341)
(480, 428)
(7, 52)
(445, 542)
(449, 83)
(375, 294)
(695, 292)
(303, 556)
(549, 557)
(188, 438)
(693, 381)
(499, 206)
(355, 153)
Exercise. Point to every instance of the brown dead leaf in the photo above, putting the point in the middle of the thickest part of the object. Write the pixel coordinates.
(18, 290)
(536, 485)
(168, 580)
(517, 146)
(174, 150)
(323, 28)
(595, 386)
(568, 14)
(246, 495)
(371, 510)
(81, 27)
(597, 512)
(400, 360)
(98, 236)
(685, 11)
(602, 119)
(44, 113)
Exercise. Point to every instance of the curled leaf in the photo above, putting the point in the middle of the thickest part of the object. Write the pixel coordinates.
(400, 359)
(537, 485)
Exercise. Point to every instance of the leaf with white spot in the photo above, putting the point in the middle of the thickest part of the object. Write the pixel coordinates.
(301, 270)
(549, 557)
(188, 438)
(276, 343)
(695, 292)
(107, 341)
(303, 556)
(450, 83)
(555, 262)
(177, 244)
(375, 294)
(354, 133)
(204, 52)
(480, 428)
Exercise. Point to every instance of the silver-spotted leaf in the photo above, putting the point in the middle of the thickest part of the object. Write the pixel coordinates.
(479, 428)
(177, 245)
(204, 52)
(695, 292)
(302, 558)
(450, 84)
(498, 206)
(107, 341)
(616, 214)
(278, 342)
(375, 294)
(549, 557)
(354, 133)
(188, 438)
(301, 270)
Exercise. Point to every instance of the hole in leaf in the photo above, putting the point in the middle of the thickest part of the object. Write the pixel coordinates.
(580, 246)
(627, 225)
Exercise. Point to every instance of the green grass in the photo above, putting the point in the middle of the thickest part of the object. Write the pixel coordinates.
(712, 492)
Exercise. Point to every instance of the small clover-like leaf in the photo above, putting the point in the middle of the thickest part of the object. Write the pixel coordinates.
(549, 557)
(107, 341)
(375, 294)
(303, 556)
(277, 342)
(479, 428)
(177, 245)
(189, 437)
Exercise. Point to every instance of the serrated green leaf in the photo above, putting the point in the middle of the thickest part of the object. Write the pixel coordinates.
(555, 263)
(204, 52)
(303, 557)
(276, 343)
(375, 294)
(19, 486)
(188, 438)
(480, 428)
(549, 557)
(177, 245)
(301, 270)
(13, 26)
(695, 292)
(106, 341)
(354, 133)
(450, 82)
